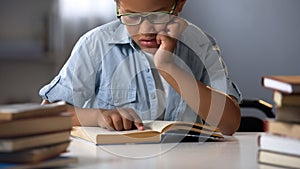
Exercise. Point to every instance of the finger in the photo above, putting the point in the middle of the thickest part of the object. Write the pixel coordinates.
(162, 36)
(117, 121)
(126, 119)
(173, 30)
(136, 119)
(158, 38)
(176, 27)
(127, 124)
(166, 43)
(107, 122)
(182, 22)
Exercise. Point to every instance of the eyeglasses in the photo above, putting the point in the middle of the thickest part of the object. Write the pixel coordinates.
(132, 19)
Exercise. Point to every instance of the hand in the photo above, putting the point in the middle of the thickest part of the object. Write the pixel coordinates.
(167, 40)
(119, 119)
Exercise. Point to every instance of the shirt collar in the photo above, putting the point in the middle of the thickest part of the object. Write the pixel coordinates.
(120, 35)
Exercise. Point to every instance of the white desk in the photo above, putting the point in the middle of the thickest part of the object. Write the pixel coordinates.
(238, 152)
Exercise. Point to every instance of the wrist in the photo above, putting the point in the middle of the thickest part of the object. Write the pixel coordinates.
(163, 58)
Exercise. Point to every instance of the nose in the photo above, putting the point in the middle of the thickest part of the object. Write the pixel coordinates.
(146, 27)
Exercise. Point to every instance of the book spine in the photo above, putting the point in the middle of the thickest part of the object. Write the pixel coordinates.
(288, 114)
(281, 99)
(296, 89)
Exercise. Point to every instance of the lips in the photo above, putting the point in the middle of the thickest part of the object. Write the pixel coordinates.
(148, 42)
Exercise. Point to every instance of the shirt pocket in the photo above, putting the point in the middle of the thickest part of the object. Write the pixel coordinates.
(116, 98)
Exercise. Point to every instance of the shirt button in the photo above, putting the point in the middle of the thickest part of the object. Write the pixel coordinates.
(153, 96)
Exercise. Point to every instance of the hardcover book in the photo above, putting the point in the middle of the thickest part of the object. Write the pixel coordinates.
(283, 128)
(286, 84)
(33, 126)
(280, 144)
(21, 143)
(278, 159)
(35, 155)
(27, 110)
(288, 114)
(282, 99)
(58, 162)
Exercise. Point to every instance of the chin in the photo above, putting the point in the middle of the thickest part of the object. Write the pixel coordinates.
(150, 50)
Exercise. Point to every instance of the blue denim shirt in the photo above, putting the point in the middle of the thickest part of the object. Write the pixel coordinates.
(107, 70)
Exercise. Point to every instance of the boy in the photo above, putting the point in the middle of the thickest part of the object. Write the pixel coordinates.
(147, 65)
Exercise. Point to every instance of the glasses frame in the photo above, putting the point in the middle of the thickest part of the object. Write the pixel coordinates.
(146, 14)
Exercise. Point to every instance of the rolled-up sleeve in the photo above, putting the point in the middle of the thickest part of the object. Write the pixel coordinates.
(75, 83)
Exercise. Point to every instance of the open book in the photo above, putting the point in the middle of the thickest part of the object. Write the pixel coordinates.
(155, 132)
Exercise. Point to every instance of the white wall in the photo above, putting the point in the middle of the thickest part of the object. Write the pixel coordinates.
(21, 80)
(41, 34)
(25, 61)
(73, 18)
(257, 37)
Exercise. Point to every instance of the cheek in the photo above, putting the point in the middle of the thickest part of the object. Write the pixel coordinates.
(134, 30)
(160, 27)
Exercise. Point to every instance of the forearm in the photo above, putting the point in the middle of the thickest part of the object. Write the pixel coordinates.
(116, 119)
(84, 117)
(216, 108)
(81, 117)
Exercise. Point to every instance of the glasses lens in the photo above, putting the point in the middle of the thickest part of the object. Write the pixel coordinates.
(155, 18)
(159, 18)
(131, 19)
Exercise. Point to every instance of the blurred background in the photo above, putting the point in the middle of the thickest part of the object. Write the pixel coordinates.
(257, 38)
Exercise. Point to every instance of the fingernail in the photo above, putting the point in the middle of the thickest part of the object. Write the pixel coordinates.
(141, 128)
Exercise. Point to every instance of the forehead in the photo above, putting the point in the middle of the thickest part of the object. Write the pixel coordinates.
(145, 5)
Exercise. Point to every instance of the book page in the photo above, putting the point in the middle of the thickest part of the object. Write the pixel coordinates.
(163, 126)
(159, 126)
(184, 127)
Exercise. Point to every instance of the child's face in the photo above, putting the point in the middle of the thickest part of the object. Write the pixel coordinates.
(144, 34)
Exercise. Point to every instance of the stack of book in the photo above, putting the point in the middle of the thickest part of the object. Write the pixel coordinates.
(32, 134)
(280, 144)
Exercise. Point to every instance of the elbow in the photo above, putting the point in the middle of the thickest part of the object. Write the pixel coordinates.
(231, 128)
(231, 120)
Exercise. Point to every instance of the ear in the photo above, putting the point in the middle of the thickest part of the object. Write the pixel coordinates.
(180, 5)
(117, 3)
